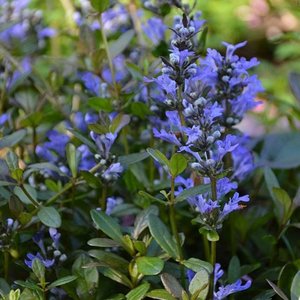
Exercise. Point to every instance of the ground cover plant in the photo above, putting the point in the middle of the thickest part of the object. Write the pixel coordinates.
(127, 167)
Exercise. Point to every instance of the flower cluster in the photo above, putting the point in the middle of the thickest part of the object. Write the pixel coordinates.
(47, 255)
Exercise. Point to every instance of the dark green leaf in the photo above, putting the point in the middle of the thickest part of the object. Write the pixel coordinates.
(172, 285)
(62, 281)
(199, 285)
(234, 269)
(91, 179)
(38, 269)
(12, 139)
(196, 190)
(295, 288)
(127, 160)
(22, 196)
(283, 204)
(278, 291)
(197, 265)
(139, 292)
(108, 225)
(84, 140)
(73, 158)
(160, 294)
(101, 104)
(151, 198)
(116, 276)
(158, 156)
(118, 46)
(108, 259)
(162, 236)
(102, 242)
(178, 164)
(100, 5)
(142, 219)
(49, 216)
(149, 265)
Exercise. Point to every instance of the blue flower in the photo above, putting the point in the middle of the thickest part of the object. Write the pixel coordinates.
(48, 263)
(155, 30)
(224, 291)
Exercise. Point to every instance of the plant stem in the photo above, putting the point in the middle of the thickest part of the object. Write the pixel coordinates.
(174, 227)
(213, 244)
(6, 264)
(103, 199)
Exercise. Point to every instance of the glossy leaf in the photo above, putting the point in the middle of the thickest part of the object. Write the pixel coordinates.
(178, 164)
(62, 281)
(49, 216)
(199, 189)
(149, 265)
(139, 292)
(12, 139)
(199, 285)
(172, 285)
(108, 225)
(197, 265)
(160, 294)
(295, 288)
(162, 236)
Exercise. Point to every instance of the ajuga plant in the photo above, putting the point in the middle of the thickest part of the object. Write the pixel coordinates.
(124, 171)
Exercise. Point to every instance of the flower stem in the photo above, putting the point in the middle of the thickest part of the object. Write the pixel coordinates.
(6, 264)
(213, 244)
(174, 227)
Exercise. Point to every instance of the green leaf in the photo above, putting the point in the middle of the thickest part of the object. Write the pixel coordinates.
(197, 265)
(149, 265)
(160, 294)
(49, 216)
(116, 276)
(199, 285)
(101, 104)
(295, 288)
(210, 234)
(142, 219)
(100, 5)
(39, 270)
(274, 155)
(162, 236)
(140, 109)
(12, 139)
(234, 269)
(151, 198)
(62, 281)
(73, 158)
(118, 46)
(139, 292)
(84, 140)
(286, 275)
(158, 156)
(284, 206)
(22, 196)
(199, 189)
(91, 179)
(172, 285)
(278, 291)
(42, 166)
(12, 161)
(28, 284)
(108, 225)
(102, 242)
(178, 164)
(127, 160)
